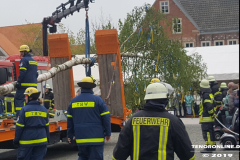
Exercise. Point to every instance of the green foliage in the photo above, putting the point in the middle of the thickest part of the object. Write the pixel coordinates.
(31, 35)
(161, 57)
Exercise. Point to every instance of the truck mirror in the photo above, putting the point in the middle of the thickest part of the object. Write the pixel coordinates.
(3, 76)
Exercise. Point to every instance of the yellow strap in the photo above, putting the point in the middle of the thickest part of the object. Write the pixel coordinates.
(33, 141)
(9, 99)
(102, 114)
(70, 116)
(20, 125)
(206, 119)
(23, 68)
(210, 112)
(217, 93)
(28, 84)
(47, 124)
(208, 101)
(113, 158)
(90, 140)
(18, 108)
(211, 96)
(33, 63)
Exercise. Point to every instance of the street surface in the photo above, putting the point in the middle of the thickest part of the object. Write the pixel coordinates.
(62, 151)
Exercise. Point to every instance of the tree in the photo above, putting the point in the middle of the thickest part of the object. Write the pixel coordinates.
(142, 35)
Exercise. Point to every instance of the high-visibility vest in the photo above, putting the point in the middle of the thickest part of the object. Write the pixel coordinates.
(9, 105)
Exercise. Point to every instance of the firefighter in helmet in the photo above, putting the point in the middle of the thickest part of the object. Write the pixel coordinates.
(27, 77)
(153, 133)
(207, 115)
(88, 122)
(32, 128)
(48, 98)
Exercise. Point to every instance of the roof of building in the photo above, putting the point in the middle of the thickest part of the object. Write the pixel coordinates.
(211, 15)
(227, 55)
(6, 46)
(14, 36)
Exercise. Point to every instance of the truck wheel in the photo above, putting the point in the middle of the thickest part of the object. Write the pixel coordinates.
(217, 135)
(229, 142)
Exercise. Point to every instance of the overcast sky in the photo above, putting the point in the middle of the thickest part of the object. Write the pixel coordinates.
(15, 12)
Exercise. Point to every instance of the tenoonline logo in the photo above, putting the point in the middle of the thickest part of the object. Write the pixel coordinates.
(215, 146)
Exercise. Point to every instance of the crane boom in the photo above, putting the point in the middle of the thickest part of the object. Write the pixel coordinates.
(61, 12)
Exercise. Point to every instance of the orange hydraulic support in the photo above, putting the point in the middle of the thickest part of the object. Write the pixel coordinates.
(59, 47)
(107, 43)
(7, 128)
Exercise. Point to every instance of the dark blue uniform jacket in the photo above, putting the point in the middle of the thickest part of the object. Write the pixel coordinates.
(28, 72)
(32, 127)
(88, 119)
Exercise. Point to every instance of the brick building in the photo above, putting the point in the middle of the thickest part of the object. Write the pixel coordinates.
(201, 23)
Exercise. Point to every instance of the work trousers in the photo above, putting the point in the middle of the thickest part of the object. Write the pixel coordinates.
(90, 152)
(19, 100)
(208, 134)
(31, 153)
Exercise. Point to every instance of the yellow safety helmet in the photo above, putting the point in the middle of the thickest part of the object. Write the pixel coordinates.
(87, 82)
(24, 48)
(154, 80)
(31, 91)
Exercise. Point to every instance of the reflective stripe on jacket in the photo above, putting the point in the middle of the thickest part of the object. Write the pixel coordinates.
(32, 127)
(88, 119)
(28, 72)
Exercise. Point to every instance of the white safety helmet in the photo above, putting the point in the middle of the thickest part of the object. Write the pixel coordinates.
(170, 89)
(47, 86)
(211, 79)
(156, 91)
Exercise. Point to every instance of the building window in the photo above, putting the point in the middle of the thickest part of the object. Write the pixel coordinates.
(189, 44)
(219, 43)
(232, 42)
(164, 6)
(177, 25)
(206, 43)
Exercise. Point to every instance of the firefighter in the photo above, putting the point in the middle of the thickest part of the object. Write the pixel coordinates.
(32, 128)
(48, 98)
(153, 133)
(224, 89)
(9, 103)
(207, 114)
(88, 122)
(27, 77)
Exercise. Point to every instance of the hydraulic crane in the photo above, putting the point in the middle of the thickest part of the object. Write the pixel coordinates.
(61, 12)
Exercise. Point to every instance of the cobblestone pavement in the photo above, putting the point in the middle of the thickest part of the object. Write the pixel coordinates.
(62, 151)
